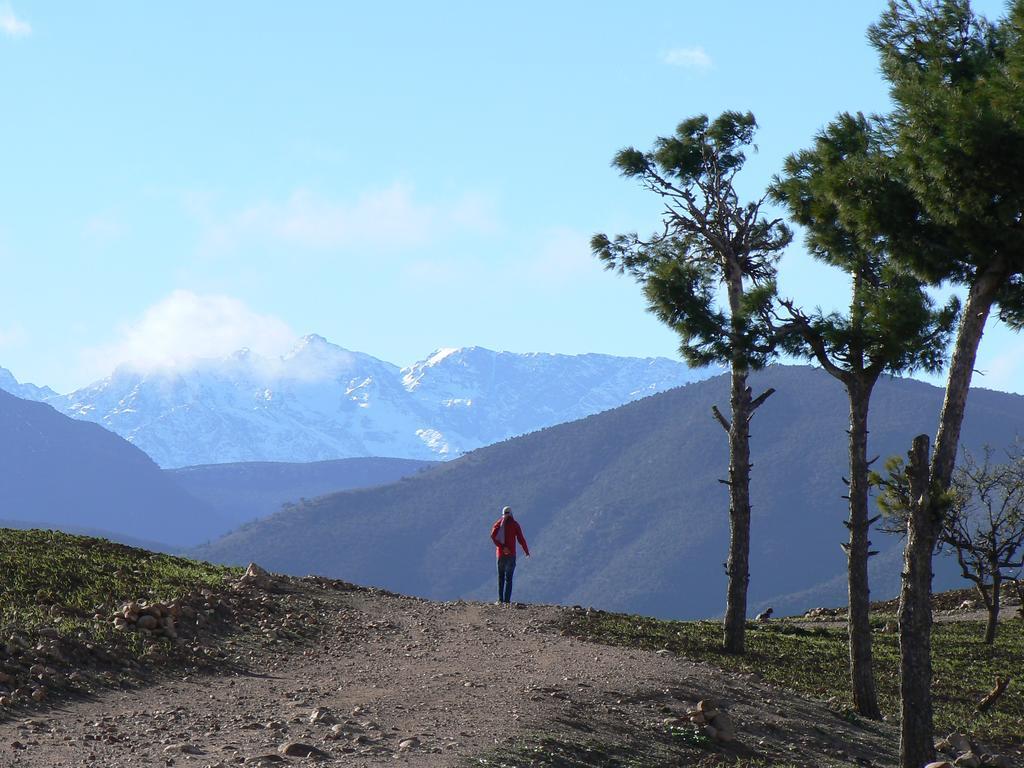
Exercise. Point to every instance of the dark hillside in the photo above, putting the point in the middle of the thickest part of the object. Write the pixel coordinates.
(624, 509)
(61, 473)
(244, 491)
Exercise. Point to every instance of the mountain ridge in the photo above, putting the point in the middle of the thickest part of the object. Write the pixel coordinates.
(321, 401)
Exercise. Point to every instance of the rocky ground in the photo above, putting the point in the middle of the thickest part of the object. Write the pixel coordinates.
(379, 679)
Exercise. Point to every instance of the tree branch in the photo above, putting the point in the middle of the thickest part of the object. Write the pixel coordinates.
(721, 419)
(994, 694)
(803, 326)
(758, 401)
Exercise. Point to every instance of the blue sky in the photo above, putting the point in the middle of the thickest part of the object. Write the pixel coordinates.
(185, 179)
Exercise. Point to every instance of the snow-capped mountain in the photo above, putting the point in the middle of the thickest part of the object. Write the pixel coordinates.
(476, 397)
(25, 391)
(321, 401)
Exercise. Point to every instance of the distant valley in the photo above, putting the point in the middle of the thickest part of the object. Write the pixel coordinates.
(624, 510)
(62, 473)
(58, 472)
(246, 491)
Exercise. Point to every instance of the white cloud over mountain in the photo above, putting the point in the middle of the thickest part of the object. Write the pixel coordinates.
(186, 327)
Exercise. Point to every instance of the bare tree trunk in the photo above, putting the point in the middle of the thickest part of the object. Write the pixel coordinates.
(979, 586)
(915, 618)
(993, 609)
(742, 408)
(961, 366)
(917, 730)
(738, 566)
(862, 678)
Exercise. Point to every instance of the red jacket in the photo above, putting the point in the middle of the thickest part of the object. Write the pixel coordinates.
(512, 533)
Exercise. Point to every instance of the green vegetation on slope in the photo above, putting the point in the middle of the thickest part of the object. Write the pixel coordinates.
(559, 752)
(814, 661)
(53, 579)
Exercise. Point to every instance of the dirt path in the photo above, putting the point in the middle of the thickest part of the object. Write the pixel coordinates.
(406, 681)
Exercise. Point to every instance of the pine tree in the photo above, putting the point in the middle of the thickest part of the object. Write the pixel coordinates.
(709, 239)
(891, 327)
(957, 139)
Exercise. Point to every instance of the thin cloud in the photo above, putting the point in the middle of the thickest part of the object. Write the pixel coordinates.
(11, 25)
(558, 258)
(187, 327)
(695, 58)
(390, 218)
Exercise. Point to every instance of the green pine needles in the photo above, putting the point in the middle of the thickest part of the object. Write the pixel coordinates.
(709, 238)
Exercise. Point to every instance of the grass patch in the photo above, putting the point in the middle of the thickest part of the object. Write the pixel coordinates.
(814, 661)
(57, 583)
(59, 594)
(559, 752)
(54, 579)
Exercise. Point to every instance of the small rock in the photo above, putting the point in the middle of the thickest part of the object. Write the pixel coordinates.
(321, 716)
(410, 743)
(725, 727)
(298, 749)
(940, 764)
(183, 749)
(708, 708)
(959, 742)
(255, 576)
(968, 760)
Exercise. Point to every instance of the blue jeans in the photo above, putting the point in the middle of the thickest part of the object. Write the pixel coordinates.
(506, 566)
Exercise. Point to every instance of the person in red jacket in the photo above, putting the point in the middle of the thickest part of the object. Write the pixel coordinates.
(504, 534)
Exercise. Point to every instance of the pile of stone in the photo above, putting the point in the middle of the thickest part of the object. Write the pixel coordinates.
(707, 717)
(154, 619)
(964, 754)
(824, 614)
(255, 577)
(157, 619)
